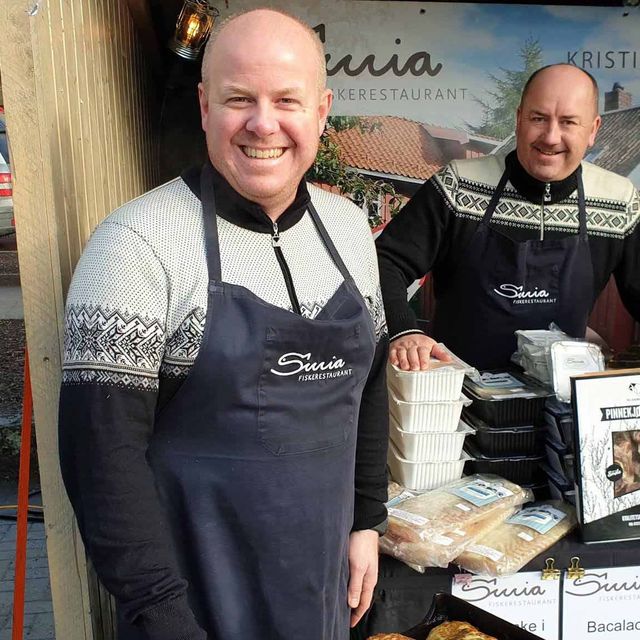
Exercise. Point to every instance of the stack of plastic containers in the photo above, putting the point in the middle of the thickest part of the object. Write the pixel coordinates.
(427, 435)
(558, 419)
(510, 437)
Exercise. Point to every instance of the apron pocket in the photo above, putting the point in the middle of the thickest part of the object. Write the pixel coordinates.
(307, 390)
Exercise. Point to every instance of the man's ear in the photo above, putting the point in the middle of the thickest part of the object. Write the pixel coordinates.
(326, 100)
(518, 118)
(594, 130)
(203, 99)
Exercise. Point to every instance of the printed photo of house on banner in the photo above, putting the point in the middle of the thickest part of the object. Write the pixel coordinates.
(417, 84)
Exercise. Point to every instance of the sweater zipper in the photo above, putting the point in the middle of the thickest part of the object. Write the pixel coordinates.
(546, 198)
(275, 243)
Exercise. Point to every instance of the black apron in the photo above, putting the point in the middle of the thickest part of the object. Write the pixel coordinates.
(501, 285)
(254, 457)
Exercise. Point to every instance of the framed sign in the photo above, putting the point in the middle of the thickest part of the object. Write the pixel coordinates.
(607, 411)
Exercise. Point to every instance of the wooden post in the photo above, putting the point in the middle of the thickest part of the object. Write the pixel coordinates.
(76, 95)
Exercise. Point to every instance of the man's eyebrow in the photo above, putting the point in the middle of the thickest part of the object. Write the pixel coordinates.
(234, 88)
(289, 91)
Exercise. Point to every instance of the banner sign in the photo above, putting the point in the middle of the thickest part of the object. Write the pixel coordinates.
(433, 62)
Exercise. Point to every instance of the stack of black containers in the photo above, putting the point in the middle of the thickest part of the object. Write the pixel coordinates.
(559, 467)
(510, 436)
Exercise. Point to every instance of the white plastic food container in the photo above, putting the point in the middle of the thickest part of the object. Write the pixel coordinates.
(432, 446)
(423, 476)
(427, 416)
(443, 381)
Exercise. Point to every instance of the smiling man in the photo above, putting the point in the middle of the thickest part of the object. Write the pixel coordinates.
(220, 491)
(515, 242)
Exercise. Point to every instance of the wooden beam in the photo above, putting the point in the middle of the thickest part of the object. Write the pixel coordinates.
(27, 90)
(77, 97)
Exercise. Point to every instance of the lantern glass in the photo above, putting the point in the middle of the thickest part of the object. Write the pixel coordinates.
(193, 27)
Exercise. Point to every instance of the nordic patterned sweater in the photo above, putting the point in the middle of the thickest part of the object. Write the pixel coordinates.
(433, 228)
(133, 325)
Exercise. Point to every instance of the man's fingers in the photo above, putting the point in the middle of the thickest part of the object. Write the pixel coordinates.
(440, 352)
(364, 598)
(403, 361)
(424, 356)
(356, 580)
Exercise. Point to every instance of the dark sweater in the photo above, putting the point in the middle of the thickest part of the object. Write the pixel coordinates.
(432, 230)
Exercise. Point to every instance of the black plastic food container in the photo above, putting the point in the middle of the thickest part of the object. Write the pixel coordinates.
(519, 469)
(560, 458)
(559, 485)
(446, 608)
(505, 441)
(509, 411)
(559, 417)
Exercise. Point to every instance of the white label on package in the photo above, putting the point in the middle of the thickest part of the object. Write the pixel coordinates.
(525, 536)
(504, 380)
(524, 599)
(438, 538)
(481, 492)
(463, 507)
(603, 605)
(486, 552)
(408, 517)
(541, 519)
(405, 495)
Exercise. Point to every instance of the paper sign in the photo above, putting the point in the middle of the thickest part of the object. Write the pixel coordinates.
(602, 605)
(524, 599)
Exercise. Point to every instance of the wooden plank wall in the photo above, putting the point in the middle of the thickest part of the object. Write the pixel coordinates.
(77, 95)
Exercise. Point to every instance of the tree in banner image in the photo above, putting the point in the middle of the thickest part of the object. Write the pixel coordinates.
(499, 111)
(330, 169)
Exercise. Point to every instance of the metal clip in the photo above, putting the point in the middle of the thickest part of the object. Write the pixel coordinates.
(550, 572)
(463, 578)
(575, 571)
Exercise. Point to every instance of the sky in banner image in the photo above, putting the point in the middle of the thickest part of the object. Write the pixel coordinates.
(430, 61)
(421, 83)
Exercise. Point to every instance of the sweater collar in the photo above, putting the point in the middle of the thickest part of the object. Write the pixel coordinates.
(236, 209)
(533, 189)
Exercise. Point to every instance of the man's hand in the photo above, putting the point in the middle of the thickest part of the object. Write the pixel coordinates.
(363, 571)
(413, 351)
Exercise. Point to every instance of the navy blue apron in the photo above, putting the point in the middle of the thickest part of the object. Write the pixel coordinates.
(502, 285)
(254, 457)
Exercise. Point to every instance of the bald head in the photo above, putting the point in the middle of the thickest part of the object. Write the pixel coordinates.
(261, 105)
(557, 121)
(272, 23)
(575, 77)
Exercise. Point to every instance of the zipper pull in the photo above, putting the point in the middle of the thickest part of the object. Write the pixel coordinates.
(547, 193)
(275, 237)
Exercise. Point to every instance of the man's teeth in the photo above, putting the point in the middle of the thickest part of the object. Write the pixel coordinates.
(547, 153)
(263, 153)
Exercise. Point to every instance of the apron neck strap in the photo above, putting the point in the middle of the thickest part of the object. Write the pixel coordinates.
(582, 206)
(212, 246)
(333, 252)
(497, 194)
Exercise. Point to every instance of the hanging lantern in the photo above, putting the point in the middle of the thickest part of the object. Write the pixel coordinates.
(193, 27)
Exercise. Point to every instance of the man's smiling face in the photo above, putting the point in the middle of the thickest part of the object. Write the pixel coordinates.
(557, 122)
(263, 108)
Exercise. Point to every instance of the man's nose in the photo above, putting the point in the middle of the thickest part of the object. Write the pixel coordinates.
(263, 121)
(551, 134)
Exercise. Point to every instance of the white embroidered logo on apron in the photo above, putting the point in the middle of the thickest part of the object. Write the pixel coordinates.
(518, 294)
(300, 364)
